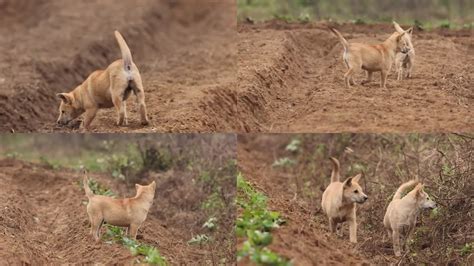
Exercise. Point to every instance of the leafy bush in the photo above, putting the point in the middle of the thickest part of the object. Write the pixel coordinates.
(255, 224)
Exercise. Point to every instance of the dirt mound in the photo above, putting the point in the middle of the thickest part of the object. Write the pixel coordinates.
(302, 238)
(43, 220)
(184, 50)
(291, 80)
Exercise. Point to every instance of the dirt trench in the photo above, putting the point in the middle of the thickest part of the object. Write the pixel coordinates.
(43, 219)
(291, 80)
(184, 49)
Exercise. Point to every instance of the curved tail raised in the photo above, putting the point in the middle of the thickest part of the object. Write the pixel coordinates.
(344, 42)
(126, 54)
(403, 187)
(335, 176)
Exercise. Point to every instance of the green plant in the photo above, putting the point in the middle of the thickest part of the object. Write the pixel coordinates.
(255, 223)
(114, 234)
(210, 224)
(99, 189)
(466, 249)
(284, 162)
(294, 145)
(199, 240)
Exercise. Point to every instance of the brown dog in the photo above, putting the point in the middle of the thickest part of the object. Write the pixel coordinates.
(339, 201)
(128, 212)
(105, 89)
(403, 210)
(371, 58)
(404, 61)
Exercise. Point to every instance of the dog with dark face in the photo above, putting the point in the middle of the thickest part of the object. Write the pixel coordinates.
(371, 58)
(404, 61)
(339, 201)
(403, 210)
(105, 89)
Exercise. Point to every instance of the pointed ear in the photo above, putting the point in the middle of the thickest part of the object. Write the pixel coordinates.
(65, 97)
(137, 186)
(399, 37)
(397, 27)
(348, 182)
(357, 178)
(419, 189)
(410, 31)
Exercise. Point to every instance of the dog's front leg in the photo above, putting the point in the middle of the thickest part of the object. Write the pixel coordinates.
(353, 230)
(369, 77)
(332, 225)
(133, 230)
(88, 118)
(383, 83)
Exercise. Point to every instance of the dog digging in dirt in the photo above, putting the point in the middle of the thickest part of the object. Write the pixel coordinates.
(404, 61)
(339, 201)
(127, 212)
(371, 58)
(105, 89)
(403, 210)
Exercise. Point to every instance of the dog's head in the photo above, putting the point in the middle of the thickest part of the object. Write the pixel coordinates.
(68, 109)
(423, 199)
(404, 43)
(353, 191)
(149, 189)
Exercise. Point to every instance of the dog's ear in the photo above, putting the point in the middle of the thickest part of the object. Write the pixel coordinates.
(137, 186)
(348, 182)
(357, 178)
(410, 31)
(397, 27)
(399, 37)
(419, 189)
(65, 97)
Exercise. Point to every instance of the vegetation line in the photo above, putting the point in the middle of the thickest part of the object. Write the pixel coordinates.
(255, 224)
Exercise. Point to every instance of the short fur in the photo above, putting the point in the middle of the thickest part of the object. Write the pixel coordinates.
(339, 201)
(404, 62)
(105, 89)
(127, 212)
(371, 58)
(402, 212)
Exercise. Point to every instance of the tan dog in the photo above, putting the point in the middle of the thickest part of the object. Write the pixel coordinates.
(128, 212)
(339, 201)
(371, 58)
(105, 89)
(402, 212)
(404, 61)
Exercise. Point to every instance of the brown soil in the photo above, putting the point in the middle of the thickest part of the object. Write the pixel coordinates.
(291, 80)
(43, 219)
(303, 239)
(184, 49)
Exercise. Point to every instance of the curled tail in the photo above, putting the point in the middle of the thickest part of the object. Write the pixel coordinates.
(335, 170)
(87, 189)
(344, 42)
(126, 54)
(403, 187)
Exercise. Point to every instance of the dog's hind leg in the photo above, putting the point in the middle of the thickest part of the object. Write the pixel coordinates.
(96, 223)
(348, 77)
(396, 242)
(118, 103)
(124, 107)
(139, 91)
(332, 225)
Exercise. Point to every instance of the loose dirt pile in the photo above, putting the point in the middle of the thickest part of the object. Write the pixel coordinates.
(43, 219)
(185, 51)
(291, 80)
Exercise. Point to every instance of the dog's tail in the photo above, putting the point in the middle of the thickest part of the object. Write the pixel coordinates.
(126, 54)
(335, 170)
(87, 189)
(403, 187)
(344, 42)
